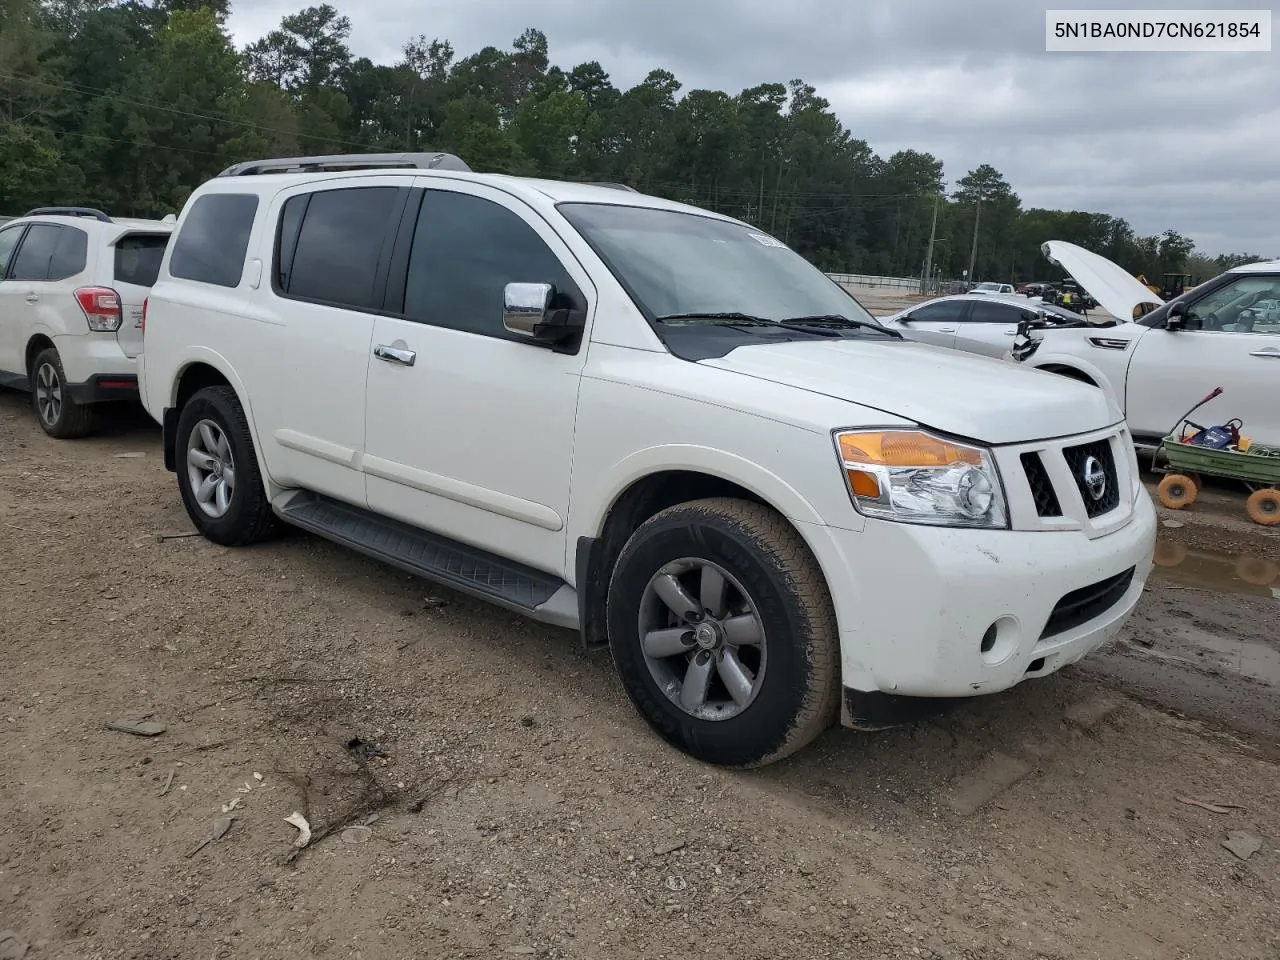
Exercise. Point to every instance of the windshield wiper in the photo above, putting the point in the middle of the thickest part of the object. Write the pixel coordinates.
(740, 318)
(827, 320)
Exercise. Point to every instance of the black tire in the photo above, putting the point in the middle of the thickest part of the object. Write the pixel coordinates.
(71, 420)
(799, 692)
(249, 518)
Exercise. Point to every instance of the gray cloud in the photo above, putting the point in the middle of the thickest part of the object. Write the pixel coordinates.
(1164, 140)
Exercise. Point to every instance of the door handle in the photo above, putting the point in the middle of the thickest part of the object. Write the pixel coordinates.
(946, 329)
(1010, 333)
(1273, 353)
(394, 354)
(33, 297)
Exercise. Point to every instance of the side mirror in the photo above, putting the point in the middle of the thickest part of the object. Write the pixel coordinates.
(1176, 319)
(904, 319)
(527, 312)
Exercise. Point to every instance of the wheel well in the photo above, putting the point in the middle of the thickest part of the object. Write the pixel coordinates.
(196, 377)
(34, 346)
(644, 498)
(1071, 373)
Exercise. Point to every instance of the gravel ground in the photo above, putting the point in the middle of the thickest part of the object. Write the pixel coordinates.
(523, 808)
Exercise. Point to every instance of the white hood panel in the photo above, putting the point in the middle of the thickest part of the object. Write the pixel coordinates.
(1116, 290)
(981, 398)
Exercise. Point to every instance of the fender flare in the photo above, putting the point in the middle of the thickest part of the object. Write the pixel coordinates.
(1039, 362)
(211, 358)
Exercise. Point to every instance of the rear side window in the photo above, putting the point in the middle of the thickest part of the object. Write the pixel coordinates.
(70, 254)
(331, 243)
(985, 311)
(36, 253)
(211, 245)
(138, 258)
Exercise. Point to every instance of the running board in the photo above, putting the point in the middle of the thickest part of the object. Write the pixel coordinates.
(468, 570)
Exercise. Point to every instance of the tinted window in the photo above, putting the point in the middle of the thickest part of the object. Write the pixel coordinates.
(138, 258)
(338, 247)
(988, 312)
(465, 251)
(948, 312)
(8, 240)
(36, 253)
(211, 245)
(70, 254)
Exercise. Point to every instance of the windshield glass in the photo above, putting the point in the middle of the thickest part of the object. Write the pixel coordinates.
(682, 263)
(995, 287)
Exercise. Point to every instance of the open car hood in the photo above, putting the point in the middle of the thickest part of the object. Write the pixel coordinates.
(1118, 292)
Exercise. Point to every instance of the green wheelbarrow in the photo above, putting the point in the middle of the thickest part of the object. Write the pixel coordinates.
(1257, 467)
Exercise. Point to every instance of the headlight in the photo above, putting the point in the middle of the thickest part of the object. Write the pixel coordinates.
(914, 477)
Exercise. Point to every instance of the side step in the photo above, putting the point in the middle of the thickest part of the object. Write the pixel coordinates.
(466, 569)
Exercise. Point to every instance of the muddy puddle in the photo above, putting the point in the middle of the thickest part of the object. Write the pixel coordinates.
(1207, 643)
(1207, 570)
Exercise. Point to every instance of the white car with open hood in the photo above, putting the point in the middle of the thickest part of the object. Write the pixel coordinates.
(644, 421)
(1157, 367)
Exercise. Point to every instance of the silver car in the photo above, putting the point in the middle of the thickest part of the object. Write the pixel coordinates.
(985, 324)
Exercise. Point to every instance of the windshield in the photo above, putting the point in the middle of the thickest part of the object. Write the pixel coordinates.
(993, 287)
(683, 264)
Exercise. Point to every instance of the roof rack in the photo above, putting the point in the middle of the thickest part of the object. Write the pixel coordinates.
(68, 212)
(612, 186)
(347, 161)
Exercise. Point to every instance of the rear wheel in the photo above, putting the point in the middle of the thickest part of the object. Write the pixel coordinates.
(1263, 507)
(724, 634)
(218, 474)
(59, 415)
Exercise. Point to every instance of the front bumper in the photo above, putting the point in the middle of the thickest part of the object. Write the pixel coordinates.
(941, 613)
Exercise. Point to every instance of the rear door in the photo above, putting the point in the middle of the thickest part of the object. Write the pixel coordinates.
(134, 264)
(988, 328)
(935, 322)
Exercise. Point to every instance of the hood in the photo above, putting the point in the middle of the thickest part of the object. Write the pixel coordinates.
(981, 398)
(1118, 291)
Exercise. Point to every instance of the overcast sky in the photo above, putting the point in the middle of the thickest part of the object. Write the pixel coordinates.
(1189, 141)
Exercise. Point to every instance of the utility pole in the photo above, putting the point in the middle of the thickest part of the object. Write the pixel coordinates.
(973, 252)
(928, 257)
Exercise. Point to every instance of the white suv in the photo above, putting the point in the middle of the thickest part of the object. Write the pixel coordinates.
(72, 284)
(648, 422)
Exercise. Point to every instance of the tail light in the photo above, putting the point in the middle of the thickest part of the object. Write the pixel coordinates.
(142, 321)
(101, 306)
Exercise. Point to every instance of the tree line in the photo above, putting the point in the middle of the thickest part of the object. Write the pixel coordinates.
(128, 106)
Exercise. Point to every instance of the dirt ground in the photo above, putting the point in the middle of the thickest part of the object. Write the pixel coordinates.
(523, 808)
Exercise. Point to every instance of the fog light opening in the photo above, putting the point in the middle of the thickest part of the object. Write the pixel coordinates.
(999, 641)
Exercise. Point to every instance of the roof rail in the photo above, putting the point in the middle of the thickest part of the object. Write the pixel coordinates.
(347, 161)
(613, 186)
(68, 212)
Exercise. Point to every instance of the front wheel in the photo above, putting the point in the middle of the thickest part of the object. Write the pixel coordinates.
(218, 474)
(723, 632)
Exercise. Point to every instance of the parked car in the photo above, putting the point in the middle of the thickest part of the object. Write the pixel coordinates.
(645, 421)
(1004, 289)
(1217, 335)
(976, 324)
(72, 284)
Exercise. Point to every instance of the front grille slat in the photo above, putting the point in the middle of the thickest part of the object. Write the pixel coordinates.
(1080, 606)
(1042, 492)
(1078, 460)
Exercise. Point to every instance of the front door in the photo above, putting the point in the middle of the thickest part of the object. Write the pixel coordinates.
(470, 428)
(936, 322)
(1231, 340)
(13, 310)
